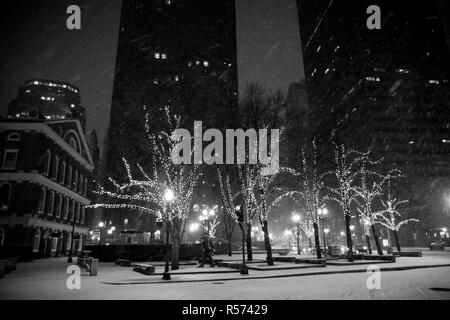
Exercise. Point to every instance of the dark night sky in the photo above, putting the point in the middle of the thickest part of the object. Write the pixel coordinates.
(36, 44)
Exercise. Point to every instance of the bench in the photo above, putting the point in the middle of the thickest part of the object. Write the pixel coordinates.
(88, 263)
(123, 262)
(146, 269)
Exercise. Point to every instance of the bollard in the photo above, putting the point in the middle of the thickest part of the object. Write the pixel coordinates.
(93, 267)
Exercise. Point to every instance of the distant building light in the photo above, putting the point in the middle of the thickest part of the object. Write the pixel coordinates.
(205, 63)
(326, 71)
(72, 106)
(164, 56)
(28, 91)
(47, 117)
(433, 81)
(336, 49)
(42, 98)
(157, 55)
(156, 81)
(64, 86)
(36, 82)
(403, 71)
(197, 62)
(445, 140)
(190, 64)
(411, 142)
(377, 79)
(229, 64)
(177, 78)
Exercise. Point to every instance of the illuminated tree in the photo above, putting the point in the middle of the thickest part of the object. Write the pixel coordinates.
(230, 218)
(390, 214)
(166, 192)
(345, 173)
(309, 194)
(368, 192)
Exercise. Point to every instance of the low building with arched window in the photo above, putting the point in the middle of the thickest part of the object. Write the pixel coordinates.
(45, 176)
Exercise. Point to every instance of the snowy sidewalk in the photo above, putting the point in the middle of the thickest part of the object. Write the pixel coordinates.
(46, 279)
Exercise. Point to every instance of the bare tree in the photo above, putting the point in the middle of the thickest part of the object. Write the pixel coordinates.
(391, 212)
(345, 173)
(368, 191)
(229, 213)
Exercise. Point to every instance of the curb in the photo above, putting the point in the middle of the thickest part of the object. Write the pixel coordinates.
(280, 276)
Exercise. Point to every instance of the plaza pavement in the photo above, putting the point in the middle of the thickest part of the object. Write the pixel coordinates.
(46, 279)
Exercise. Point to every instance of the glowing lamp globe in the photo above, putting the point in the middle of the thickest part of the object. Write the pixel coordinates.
(168, 195)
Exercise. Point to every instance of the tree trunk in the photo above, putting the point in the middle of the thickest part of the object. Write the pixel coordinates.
(377, 240)
(176, 253)
(368, 244)
(267, 244)
(298, 244)
(310, 244)
(230, 249)
(317, 241)
(397, 242)
(249, 242)
(349, 238)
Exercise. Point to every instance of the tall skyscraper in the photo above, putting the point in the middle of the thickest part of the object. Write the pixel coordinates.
(175, 53)
(383, 90)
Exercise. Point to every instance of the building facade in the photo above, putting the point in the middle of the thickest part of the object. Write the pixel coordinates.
(384, 90)
(45, 177)
(47, 99)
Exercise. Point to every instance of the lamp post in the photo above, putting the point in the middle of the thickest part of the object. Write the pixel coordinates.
(194, 227)
(240, 216)
(326, 231)
(101, 225)
(69, 260)
(205, 218)
(296, 219)
(168, 197)
(323, 212)
(352, 228)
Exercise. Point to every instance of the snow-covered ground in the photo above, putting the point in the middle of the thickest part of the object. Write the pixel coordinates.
(46, 279)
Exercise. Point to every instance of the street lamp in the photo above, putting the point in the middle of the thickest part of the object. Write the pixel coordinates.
(326, 231)
(323, 212)
(69, 260)
(194, 227)
(296, 219)
(240, 217)
(169, 197)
